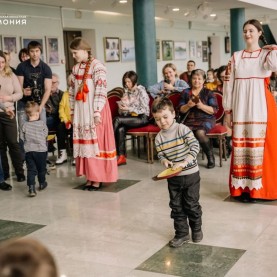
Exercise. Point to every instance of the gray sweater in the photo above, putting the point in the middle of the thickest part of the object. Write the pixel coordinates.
(34, 134)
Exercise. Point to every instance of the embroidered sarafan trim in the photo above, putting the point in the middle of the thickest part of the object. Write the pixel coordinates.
(247, 182)
(249, 122)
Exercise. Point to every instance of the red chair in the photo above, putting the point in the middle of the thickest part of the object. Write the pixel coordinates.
(113, 96)
(219, 131)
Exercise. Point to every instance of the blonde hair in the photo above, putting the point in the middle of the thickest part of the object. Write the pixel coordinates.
(7, 72)
(80, 43)
(172, 66)
(26, 258)
(31, 108)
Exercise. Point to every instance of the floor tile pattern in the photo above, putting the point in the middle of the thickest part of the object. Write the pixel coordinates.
(193, 260)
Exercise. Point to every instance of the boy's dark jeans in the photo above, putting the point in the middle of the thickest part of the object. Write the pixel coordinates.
(36, 166)
(184, 203)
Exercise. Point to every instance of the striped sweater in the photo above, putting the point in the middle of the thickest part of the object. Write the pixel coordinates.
(34, 134)
(178, 144)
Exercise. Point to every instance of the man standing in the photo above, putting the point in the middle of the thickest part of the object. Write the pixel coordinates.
(187, 74)
(35, 78)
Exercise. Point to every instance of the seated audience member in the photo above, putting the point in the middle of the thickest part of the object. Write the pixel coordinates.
(200, 106)
(220, 77)
(52, 113)
(186, 76)
(134, 111)
(171, 82)
(210, 83)
(23, 55)
(10, 92)
(26, 257)
(65, 126)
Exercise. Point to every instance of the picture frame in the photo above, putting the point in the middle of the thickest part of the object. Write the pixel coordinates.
(180, 50)
(25, 41)
(167, 50)
(52, 50)
(128, 53)
(192, 49)
(199, 49)
(158, 49)
(111, 49)
(227, 45)
(204, 51)
(10, 45)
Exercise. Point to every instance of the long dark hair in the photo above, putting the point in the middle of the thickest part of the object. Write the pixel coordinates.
(259, 27)
(132, 75)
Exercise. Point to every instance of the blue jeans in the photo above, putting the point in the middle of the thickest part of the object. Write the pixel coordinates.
(36, 166)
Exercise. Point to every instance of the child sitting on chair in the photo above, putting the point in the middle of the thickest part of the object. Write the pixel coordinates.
(177, 147)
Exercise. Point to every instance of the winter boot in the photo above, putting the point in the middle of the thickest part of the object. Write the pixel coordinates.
(62, 157)
(32, 191)
(208, 150)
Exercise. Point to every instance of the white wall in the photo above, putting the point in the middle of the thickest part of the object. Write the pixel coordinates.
(43, 21)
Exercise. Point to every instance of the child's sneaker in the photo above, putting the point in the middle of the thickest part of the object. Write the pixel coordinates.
(32, 191)
(51, 166)
(43, 186)
(197, 236)
(177, 242)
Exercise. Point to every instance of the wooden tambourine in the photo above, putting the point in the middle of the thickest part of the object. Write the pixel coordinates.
(167, 173)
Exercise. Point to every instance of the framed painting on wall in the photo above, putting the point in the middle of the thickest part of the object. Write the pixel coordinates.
(128, 50)
(111, 49)
(158, 49)
(167, 50)
(227, 44)
(192, 49)
(9, 45)
(204, 51)
(180, 50)
(25, 42)
(52, 50)
(199, 49)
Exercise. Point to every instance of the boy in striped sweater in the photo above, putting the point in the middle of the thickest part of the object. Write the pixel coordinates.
(34, 134)
(177, 147)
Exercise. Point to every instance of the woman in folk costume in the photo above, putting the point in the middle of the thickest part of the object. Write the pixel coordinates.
(93, 140)
(250, 107)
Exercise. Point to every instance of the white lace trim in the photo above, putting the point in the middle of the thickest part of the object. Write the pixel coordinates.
(243, 183)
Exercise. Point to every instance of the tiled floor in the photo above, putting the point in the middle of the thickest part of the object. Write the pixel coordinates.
(123, 229)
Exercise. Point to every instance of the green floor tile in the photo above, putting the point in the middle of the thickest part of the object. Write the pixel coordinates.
(121, 184)
(12, 229)
(192, 260)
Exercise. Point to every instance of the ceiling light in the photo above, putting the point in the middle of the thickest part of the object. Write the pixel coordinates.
(123, 1)
(175, 9)
(213, 14)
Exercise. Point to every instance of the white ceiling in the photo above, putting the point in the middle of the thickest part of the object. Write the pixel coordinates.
(164, 8)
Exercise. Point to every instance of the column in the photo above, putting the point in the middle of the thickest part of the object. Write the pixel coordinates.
(237, 21)
(145, 41)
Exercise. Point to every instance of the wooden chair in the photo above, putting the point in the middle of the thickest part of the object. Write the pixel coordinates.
(219, 131)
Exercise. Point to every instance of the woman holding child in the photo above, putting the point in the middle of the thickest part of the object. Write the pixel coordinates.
(93, 141)
(133, 110)
(200, 106)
